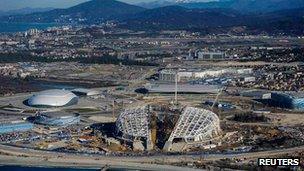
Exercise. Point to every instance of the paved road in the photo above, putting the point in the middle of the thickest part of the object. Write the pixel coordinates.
(19, 155)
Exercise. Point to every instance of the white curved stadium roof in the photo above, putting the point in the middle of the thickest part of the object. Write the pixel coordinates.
(196, 125)
(53, 98)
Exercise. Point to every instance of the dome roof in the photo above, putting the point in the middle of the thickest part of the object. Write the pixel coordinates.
(53, 98)
(196, 125)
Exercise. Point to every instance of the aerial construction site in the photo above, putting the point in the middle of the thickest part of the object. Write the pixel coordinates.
(139, 120)
(199, 103)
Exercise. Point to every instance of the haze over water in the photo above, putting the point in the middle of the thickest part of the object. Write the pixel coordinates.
(20, 27)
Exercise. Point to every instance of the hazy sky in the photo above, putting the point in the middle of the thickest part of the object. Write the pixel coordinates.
(6, 5)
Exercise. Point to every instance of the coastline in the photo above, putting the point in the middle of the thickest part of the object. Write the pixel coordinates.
(28, 157)
(90, 164)
(12, 27)
(50, 167)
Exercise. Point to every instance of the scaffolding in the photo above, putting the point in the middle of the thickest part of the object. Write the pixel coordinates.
(196, 125)
(134, 123)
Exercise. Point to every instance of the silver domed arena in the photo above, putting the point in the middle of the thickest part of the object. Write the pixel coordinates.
(52, 98)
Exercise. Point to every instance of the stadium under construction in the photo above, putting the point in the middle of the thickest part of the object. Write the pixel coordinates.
(191, 127)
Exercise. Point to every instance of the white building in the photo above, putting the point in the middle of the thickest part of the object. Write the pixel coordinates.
(168, 75)
(52, 98)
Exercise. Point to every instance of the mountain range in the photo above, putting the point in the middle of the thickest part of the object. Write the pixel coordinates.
(156, 4)
(248, 6)
(244, 6)
(261, 15)
(289, 21)
(175, 17)
(89, 12)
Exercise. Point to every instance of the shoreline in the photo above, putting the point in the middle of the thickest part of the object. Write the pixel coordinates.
(74, 165)
(49, 167)
(28, 157)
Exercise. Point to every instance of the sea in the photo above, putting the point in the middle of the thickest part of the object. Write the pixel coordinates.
(21, 27)
(26, 168)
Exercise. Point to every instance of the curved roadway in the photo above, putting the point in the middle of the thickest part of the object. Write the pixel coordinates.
(22, 156)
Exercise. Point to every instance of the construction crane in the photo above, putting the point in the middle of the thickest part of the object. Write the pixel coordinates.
(175, 104)
(113, 110)
(175, 92)
(217, 97)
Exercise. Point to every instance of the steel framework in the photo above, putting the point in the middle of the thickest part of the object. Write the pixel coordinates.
(196, 125)
(134, 123)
